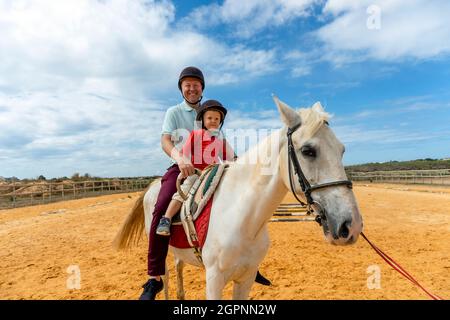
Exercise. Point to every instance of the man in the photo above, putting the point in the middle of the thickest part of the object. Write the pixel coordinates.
(179, 121)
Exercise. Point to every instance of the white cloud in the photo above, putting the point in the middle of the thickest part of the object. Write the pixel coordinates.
(120, 44)
(416, 29)
(300, 63)
(358, 134)
(250, 16)
(300, 71)
(85, 84)
(268, 119)
(63, 134)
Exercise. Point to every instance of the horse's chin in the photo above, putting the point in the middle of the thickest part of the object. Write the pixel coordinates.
(340, 241)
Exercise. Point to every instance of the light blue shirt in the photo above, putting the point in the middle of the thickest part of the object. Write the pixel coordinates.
(179, 121)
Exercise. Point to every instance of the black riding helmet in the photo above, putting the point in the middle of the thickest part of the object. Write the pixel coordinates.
(211, 105)
(191, 72)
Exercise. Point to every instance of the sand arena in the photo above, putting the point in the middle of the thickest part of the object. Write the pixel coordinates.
(41, 246)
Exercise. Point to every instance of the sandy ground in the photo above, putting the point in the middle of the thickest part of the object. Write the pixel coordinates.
(411, 223)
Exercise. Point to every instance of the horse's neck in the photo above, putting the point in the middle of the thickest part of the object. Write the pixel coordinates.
(260, 188)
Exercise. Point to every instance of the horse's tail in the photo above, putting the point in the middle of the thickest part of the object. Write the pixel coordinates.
(131, 231)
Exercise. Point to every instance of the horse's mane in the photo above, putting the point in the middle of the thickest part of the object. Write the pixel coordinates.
(312, 119)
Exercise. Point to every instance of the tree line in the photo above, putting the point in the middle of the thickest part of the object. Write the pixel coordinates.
(418, 164)
(74, 177)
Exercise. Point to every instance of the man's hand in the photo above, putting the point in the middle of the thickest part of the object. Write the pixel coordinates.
(186, 167)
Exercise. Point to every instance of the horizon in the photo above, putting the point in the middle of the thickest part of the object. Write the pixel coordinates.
(84, 85)
(93, 176)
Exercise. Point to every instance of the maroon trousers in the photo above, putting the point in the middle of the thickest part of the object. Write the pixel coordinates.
(159, 245)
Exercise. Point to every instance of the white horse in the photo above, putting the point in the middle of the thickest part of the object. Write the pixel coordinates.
(250, 191)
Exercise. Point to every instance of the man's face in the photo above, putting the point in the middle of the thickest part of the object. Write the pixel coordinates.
(192, 89)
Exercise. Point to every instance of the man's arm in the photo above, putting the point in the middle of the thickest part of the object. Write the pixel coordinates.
(184, 164)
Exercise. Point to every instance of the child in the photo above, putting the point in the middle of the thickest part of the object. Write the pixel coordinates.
(203, 147)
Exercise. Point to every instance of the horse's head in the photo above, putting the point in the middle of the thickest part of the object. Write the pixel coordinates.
(319, 155)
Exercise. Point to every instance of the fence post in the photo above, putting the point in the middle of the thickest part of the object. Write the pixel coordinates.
(14, 194)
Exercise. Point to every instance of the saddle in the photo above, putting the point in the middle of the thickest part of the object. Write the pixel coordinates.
(194, 213)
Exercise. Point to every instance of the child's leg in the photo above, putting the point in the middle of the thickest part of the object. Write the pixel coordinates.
(165, 222)
(174, 207)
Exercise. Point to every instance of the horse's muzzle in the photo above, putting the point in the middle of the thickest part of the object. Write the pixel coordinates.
(340, 231)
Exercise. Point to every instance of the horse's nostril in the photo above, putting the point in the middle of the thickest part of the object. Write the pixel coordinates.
(344, 231)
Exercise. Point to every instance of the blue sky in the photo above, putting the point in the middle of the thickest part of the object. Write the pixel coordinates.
(84, 84)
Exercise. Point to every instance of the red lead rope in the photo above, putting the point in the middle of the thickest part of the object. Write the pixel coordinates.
(398, 268)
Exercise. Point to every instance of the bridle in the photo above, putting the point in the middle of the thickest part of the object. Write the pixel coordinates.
(307, 188)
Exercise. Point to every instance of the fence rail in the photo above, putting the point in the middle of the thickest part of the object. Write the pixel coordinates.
(15, 195)
(435, 177)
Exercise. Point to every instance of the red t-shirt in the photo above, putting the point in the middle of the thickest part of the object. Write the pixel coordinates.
(204, 149)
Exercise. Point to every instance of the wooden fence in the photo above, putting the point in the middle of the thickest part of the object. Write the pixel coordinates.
(15, 195)
(435, 177)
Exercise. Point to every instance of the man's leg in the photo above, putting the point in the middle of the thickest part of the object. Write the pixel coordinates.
(159, 245)
(262, 280)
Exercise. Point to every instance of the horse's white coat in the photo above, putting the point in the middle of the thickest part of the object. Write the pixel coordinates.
(246, 198)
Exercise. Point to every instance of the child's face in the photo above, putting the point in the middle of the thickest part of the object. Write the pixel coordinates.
(211, 119)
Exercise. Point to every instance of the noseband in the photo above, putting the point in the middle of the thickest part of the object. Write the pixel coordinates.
(307, 188)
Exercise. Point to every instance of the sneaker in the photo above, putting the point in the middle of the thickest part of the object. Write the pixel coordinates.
(151, 288)
(163, 227)
(262, 280)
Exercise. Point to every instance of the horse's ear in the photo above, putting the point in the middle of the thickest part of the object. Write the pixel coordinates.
(317, 107)
(288, 115)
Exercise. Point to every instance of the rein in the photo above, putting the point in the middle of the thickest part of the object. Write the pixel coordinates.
(399, 269)
(307, 189)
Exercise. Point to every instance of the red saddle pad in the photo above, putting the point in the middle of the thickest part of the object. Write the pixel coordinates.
(178, 238)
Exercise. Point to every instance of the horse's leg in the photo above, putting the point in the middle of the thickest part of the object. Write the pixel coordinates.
(215, 283)
(241, 289)
(179, 264)
(165, 279)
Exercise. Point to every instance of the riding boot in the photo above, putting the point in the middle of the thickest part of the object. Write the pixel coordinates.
(151, 288)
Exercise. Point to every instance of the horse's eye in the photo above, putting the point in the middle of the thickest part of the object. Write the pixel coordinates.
(308, 151)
